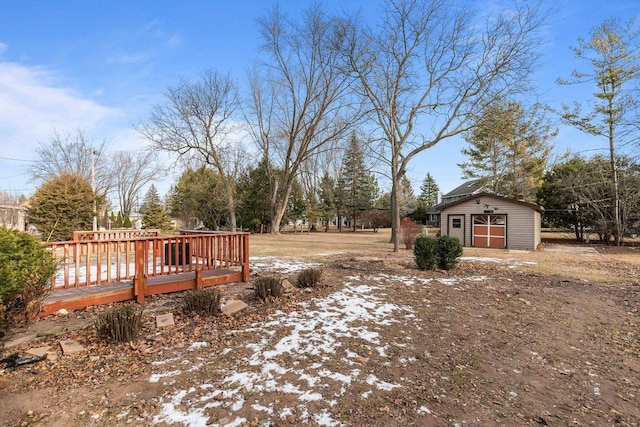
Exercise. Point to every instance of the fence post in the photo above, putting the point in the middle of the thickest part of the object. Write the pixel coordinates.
(245, 257)
(140, 279)
(199, 279)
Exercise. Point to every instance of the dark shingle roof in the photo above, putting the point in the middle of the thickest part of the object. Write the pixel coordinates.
(469, 187)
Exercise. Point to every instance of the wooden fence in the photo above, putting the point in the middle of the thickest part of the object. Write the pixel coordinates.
(114, 234)
(100, 271)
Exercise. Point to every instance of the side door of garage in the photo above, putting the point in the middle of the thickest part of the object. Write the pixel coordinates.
(456, 227)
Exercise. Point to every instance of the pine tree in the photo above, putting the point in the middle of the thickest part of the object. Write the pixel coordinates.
(428, 192)
(327, 199)
(407, 201)
(156, 217)
(508, 149)
(358, 184)
(611, 53)
(119, 221)
(151, 196)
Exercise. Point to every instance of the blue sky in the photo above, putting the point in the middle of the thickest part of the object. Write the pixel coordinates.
(99, 66)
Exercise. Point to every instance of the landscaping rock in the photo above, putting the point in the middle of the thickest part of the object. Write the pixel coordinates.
(288, 288)
(41, 351)
(163, 320)
(71, 347)
(234, 307)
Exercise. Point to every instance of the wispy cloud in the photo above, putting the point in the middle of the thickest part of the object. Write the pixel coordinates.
(32, 106)
(3, 47)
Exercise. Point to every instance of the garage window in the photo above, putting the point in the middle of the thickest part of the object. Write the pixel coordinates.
(456, 223)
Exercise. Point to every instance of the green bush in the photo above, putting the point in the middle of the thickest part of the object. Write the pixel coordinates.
(425, 252)
(120, 324)
(443, 251)
(308, 277)
(202, 301)
(449, 251)
(26, 268)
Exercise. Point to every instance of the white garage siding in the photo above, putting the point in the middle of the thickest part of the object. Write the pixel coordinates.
(523, 219)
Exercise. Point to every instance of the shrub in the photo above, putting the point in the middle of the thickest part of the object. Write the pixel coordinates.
(120, 324)
(309, 277)
(425, 252)
(449, 251)
(202, 301)
(26, 268)
(410, 230)
(267, 286)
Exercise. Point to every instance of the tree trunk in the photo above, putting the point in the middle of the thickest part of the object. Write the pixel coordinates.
(395, 209)
(278, 206)
(232, 213)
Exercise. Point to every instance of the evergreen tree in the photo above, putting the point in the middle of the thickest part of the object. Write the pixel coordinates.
(359, 186)
(428, 192)
(61, 206)
(155, 217)
(508, 149)
(297, 206)
(253, 197)
(611, 53)
(327, 199)
(119, 220)
(151, 196)
(127, 221)
(407, 201)
(199, 194)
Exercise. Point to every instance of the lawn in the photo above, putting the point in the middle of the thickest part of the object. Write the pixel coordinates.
(508, 338)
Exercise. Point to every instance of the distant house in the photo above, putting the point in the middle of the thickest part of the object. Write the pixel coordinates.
(13, 217)
(487, 220)
(466, 189)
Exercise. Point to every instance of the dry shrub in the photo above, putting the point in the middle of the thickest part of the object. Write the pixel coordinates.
(120, 324)
(410, 230)
(309, 277)
(202, 301)
(267, 286)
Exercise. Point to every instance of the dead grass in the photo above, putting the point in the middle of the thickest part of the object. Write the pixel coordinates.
(568, 261)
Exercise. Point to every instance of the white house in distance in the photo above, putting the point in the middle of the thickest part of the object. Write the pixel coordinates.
(13, 217)
(487, 220)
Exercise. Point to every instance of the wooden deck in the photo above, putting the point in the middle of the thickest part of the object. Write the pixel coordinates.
(95, 272)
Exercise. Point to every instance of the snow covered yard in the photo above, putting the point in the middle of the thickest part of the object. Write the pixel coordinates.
(298, 366)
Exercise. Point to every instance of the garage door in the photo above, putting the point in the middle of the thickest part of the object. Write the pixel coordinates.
(490, 231)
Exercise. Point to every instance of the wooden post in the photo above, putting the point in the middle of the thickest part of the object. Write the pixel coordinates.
(199, 279)
(245, 257)
(140, 279)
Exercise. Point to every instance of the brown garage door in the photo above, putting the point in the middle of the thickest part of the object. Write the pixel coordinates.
(490, 231)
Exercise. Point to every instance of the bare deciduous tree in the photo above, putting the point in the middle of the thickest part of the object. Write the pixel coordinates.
(132, 170)
(75, 154)
(301, 98)
(429, 65)
(197, 121)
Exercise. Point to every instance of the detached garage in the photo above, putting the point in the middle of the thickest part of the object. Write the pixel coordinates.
(486, 220)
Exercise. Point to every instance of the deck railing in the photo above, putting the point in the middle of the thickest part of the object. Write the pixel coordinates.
(96, 262)
(114, 234)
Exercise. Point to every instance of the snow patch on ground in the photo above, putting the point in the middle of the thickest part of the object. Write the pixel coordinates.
(510, 262)
(289, 354)
(321, 330)
(278, 264)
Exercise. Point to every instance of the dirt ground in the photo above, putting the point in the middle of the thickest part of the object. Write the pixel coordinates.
(508, 338)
